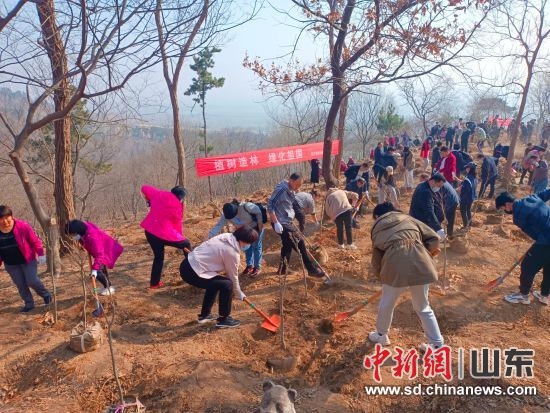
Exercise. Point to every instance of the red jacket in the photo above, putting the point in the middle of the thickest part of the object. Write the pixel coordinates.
(447, 167)
(28, 242)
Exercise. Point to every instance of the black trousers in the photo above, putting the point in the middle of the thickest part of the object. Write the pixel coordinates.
(537, 257)
(466, 213)
(290, 241)
(157, 245)
(220, 284)
(103, 276)
(450, 214)
(488, 183)
(344, 221)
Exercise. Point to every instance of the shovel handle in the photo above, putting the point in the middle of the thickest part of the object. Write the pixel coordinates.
(260, 312)
(365, 302)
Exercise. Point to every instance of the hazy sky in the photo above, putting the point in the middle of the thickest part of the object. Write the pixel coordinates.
(239, 102)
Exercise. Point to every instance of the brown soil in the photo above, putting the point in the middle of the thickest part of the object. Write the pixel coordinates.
(174, 364)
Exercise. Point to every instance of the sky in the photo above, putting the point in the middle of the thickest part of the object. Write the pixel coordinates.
(240, 103)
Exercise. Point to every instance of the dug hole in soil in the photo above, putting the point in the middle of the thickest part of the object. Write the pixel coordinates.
(173, 364)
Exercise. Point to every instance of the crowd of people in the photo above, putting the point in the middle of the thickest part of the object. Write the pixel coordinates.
(403, 244)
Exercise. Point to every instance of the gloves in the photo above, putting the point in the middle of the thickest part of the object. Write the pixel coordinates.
(278, 227)
(41, 260)
(93, 273)
(441, 234)
(241, 296)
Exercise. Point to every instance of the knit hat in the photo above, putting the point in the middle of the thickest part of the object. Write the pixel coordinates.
(179, 192)
(502, 199)
(76, 227)
(230, 210)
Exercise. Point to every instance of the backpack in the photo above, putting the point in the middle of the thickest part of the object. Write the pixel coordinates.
(263, 210)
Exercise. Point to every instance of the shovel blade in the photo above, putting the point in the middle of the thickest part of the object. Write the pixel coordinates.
(341, 317)
(493, 284)
(266, 325)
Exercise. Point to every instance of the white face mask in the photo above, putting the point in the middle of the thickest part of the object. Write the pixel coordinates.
(76, 237)
(436, 189)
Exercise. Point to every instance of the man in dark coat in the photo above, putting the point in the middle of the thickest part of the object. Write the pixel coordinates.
(462, 158)
(488, 175)
(427, 203)
(359, 171)
(436, 154)
(450, 203)
(532, 215)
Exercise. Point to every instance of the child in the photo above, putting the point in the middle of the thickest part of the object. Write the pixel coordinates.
(468, 194)
(103, 248)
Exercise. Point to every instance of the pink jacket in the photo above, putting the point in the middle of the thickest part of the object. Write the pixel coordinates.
(27, 241)
(165, 218)
(104, 249)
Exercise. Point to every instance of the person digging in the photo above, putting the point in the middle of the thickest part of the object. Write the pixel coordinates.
(402, 253)
(532, 215)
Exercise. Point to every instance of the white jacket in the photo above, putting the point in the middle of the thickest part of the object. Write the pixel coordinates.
(221, 253)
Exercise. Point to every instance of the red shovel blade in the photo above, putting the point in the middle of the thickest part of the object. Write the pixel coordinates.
(272, 323)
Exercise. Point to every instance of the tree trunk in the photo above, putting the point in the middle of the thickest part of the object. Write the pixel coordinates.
(515, 131)
(64, 183)
(341, 131)
(47, 223)
(330, 180)
(178, 140)
(205, 146)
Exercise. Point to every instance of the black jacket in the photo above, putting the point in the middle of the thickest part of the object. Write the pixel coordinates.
(488, 168)
(426, 206)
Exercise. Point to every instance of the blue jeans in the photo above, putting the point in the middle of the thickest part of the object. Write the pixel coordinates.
(419, 295)
(24, 277)
(254, 253)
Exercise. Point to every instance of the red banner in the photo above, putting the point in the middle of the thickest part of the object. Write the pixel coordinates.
(262, 158)
(501, 122)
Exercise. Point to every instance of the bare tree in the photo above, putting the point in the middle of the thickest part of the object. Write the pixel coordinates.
(185, 27)
(521, 28)
(369, 43)
(302, 115)
(363, 114)
(108, 44)
(427, 97)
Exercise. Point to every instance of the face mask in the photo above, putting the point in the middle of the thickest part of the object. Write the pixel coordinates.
(436, 189)
(245, 247)
(76, 237)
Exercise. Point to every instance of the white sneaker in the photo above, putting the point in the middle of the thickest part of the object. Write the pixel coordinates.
(107, 291)
(380, 339)
(352, 247)
(424, 347)
(543, 299)
(517, 298)
(341, 246)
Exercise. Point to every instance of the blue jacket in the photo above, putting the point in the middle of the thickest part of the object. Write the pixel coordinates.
(488, 168)
(532, 215)
(426, 206)
(468, 190)
(353, 187)
(450, 196)
(352, 173)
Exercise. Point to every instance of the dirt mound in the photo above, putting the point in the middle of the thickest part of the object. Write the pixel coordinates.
(174, 364)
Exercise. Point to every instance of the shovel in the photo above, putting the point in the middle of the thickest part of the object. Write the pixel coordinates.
(271, 323)
(499, 280)
(347, 314)
(98, 307)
